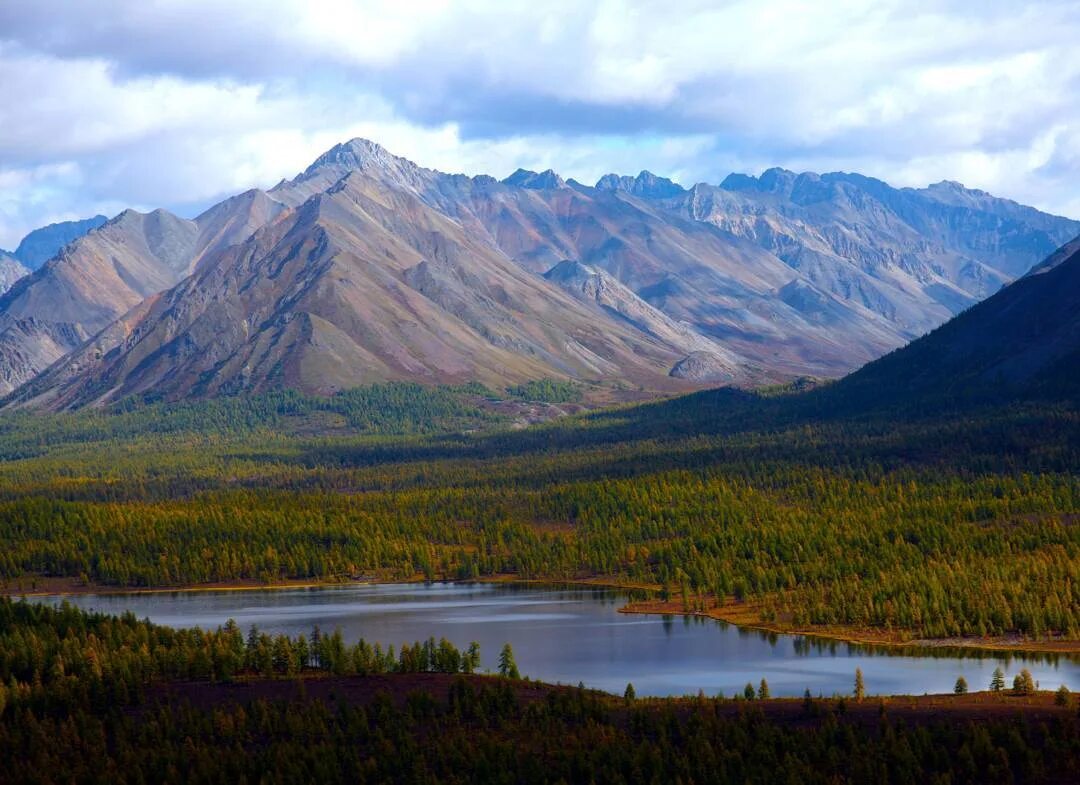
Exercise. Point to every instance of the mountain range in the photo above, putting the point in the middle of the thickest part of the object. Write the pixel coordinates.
(1022, 342)
(367, 267)
(42, 244)
(39, 246)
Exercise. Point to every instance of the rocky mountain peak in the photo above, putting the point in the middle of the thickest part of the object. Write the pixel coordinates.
(774, 180)
(356, 153)
(957, 194)
(646, 184)
(951, 186)
(546, 180)
(10, 271)
(361, 155)
(42, 244)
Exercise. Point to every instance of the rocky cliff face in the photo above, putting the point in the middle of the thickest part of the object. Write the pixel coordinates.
(912, 256)
(11, 270)
(368, 267)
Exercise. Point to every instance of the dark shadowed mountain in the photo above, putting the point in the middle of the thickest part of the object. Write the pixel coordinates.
(43, 244)
(1024, 341)
(367, 267)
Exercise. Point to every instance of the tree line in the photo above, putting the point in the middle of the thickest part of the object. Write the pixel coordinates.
(933, 527)
(93, 698)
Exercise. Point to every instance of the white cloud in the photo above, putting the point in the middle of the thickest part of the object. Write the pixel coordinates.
(176, 102)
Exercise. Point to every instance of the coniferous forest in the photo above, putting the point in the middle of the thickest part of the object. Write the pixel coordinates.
(793, 510)
(365, 419)
(932, 525)
(92, 698)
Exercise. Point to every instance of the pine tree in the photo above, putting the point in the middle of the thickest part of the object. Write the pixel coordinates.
(471, 661)
(748, 691)
(763, 690)
(507, 666)
(315, 648)
(997, 681)
(961, 686)
(860, 686)
(629, 695)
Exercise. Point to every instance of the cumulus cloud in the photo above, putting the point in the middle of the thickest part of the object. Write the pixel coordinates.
(179, 102)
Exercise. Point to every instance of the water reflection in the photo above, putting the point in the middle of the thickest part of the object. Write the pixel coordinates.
(570, 634)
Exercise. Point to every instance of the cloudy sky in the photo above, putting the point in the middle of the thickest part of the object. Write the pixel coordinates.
(109, 103)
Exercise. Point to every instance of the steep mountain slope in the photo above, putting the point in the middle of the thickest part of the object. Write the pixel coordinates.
(367, 266)
(706, 360)
(358, 284)
(99, 277)
(727, 289)
(11, 270)
(915, 257)
(43, 244)
(93, 281)
(1023, 340)
(806, 275)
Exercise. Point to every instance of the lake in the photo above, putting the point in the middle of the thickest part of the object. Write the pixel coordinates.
(576, 634)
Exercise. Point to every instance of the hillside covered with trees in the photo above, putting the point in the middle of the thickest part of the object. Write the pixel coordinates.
(91, 698)
(929, 525)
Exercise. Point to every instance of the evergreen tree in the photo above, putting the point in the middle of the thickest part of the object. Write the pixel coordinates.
(471, 660)
(507, 666)
(997, 681)
(629, 695)
(748, 691)
(315, 648)
(961, 686)
(860, 686)
(763, 690)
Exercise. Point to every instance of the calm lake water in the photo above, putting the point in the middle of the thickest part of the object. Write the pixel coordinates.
(571, 634)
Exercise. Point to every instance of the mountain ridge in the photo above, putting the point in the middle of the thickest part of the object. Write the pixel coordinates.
(1023, 341)
(43, 243)
(635, 280)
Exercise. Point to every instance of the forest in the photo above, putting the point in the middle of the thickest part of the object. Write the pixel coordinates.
(934, 524)
(91, 698)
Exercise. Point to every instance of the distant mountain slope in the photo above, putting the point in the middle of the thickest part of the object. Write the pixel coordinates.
(367, 267)
(358, 284)
(43, 244)
(913, 256)
(100, 276)
(11, 270)
(1024, 340)
(724, 288)
(727, 289)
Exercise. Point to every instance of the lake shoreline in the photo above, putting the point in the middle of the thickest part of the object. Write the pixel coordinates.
(740, 615)
(744, 618)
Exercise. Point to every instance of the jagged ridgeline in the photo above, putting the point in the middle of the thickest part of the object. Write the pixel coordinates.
(367, 268)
